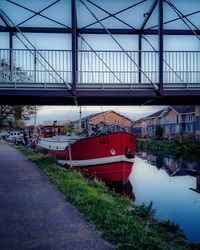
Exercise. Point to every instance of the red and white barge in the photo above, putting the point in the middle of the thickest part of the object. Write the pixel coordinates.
(108, 157)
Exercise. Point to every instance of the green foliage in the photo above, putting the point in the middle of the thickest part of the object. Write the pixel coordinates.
(145, 211)
(186, 147)
(79, 131)
(159, 131)
(140, 145)
(124, 224)
(68, 128)
(19, 112)
(171, 227)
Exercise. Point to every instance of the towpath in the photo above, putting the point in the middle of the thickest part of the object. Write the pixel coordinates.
(34, 214)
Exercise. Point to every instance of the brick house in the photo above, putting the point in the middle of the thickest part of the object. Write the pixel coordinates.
(108, 117)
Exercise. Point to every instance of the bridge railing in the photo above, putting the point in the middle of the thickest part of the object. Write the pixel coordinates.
(35, 68)
(138, 69)
(115, 69)
(21, 68)
(182, 69)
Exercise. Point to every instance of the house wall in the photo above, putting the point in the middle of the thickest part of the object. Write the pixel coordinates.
(197, 122)
(173, 124)
(170, 117)
(111, 118)
(143, 129)
(137, 129)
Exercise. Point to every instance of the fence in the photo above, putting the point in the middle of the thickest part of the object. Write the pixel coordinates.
(98, 69)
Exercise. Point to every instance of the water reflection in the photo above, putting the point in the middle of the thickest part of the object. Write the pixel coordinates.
(173, 166)
(174, 187)
(125, 189)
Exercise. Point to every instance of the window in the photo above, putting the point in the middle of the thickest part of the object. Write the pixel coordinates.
(189, 128)
(188, 118)
(177, 129)
(167, 129)
(49, 131)
(177, 119)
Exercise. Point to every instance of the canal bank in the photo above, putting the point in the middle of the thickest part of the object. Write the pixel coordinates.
(186, 147)
(124, 224)
(34, 214)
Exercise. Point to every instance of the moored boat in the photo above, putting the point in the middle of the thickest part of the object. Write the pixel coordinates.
(108, 157)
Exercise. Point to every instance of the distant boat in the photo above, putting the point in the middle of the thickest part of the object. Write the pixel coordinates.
(108, 157)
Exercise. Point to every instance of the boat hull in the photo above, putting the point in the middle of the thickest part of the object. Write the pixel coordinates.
(108, 157)
(112, 172)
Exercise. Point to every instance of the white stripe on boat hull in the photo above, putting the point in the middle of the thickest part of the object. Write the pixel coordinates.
(98, 161)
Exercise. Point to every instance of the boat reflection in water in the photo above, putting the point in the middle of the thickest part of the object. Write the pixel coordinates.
(124, 189)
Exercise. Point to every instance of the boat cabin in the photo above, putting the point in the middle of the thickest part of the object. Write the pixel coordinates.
(49, 131)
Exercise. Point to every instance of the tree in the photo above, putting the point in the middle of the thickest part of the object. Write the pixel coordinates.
(159, 131)
(13, 73)
(17, 74)
(16, 114)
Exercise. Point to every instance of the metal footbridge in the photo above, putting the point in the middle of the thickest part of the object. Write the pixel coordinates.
(87, 76)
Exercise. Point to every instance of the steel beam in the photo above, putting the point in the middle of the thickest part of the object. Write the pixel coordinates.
(107, 97)
(160, 44)
(10, 52)
(98, 31)
(74, 46)
(138, 31)
(175, 19)
(140, 56)
(149, 14)
(109, 14)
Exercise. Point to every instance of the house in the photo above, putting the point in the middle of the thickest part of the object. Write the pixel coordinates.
(139, 128)
(175, 120)
(178, 120)
(109, 118)
(152, 121)
(197, 122)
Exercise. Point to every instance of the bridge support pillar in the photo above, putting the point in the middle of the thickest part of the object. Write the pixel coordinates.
(10, 53)
(74, 42)
(140, 56)
(160, 43)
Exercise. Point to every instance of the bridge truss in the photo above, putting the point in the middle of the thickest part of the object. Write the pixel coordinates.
(87, 76)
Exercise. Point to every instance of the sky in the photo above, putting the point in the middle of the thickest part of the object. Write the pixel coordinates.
(134, 17)
(72, 113)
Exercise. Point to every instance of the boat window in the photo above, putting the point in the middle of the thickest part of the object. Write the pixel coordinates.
(49, 131)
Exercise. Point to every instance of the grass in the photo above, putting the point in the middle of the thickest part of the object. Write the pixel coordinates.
(121, 222)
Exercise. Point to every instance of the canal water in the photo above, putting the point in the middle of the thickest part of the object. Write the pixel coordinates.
(174, 188)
